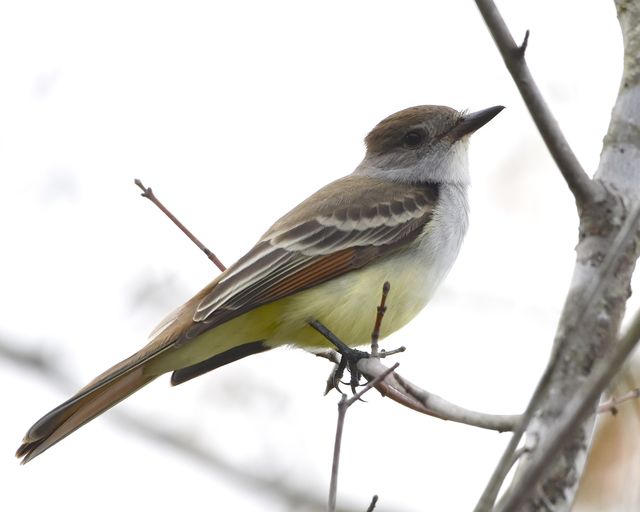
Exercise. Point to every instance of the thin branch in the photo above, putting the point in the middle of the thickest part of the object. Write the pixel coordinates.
(382, 309)
(401, 390)
(578, 181)
(498, 422)
(148, 193)
(386, 353)
(573, 414)
(373, 503)
(525, 43)
(612, 404)
(343, 406)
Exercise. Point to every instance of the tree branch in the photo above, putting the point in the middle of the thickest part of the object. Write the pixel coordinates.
(578, 181)
(404, 392)
(148, 193)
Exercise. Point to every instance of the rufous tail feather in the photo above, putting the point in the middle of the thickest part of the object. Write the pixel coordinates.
(103, 393)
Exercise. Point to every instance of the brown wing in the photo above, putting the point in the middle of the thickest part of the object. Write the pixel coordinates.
(357, 221)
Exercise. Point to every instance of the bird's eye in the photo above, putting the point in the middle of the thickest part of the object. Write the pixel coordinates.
(413, 138)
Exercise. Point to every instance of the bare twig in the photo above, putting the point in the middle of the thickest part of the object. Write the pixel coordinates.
(148, 193)
(382, 309)
(525, 42)
(573, 414)
(612, 404)
(373, 503)
(386, 353)
(578, 181)
(406, 393)
(498, 422)
(343, 405)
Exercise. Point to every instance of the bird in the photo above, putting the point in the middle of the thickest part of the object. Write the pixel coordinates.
(399, 217)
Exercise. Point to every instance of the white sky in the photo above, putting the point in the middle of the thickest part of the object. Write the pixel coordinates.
(220, 105)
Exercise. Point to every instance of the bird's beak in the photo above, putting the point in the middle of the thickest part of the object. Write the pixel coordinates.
(469, 123)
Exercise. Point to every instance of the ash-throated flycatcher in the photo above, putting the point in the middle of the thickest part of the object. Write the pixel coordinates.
(400, 217)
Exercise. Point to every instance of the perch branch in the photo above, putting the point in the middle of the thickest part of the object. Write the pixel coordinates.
(404, 392)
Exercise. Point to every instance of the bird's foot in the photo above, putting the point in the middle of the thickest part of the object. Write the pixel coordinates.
(349, 358)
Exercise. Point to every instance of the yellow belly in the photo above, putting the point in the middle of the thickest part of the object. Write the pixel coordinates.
(346, 305)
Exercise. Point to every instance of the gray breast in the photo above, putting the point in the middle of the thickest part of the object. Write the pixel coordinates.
(444, 234)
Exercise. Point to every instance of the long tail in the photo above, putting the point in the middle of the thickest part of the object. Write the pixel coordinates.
(104, 392)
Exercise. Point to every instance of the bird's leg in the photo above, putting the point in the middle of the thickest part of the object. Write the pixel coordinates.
(348, 360)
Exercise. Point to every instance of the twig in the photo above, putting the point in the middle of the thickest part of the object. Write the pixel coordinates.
(401, 390)
(525, 42)
(382, 309)
(612, 404)
(573, 414)
(373, 503)
(148, 193)
(343, 405)
(578, 181)
(386, 353)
